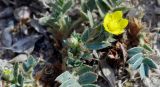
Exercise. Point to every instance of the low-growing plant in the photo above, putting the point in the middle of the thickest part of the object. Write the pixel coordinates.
(85, 79)
(97, 27)
(21, 74)
(140, 60)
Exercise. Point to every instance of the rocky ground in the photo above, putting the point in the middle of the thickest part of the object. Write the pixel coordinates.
(19, 25)
(150, 9)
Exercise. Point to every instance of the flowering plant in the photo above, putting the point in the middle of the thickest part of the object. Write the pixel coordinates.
(114, 23)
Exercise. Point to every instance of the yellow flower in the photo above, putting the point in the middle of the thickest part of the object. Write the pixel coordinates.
(114, 23)
(7, 72)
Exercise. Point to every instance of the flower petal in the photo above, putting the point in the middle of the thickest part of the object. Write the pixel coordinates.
(117, 32)
(106, 28)
(123, 23)
(115, 28)
(117, 15)
(115, 23)
(107, 18)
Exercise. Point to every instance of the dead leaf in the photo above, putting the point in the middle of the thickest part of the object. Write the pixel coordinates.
(25, 45)
(6, 35)
(24, 29)
(46, 2)
(6, 12)
(113, 54)
(95, 54)
(22, 13)
(124, 50)
(107, 73)
(3, 23)
(6, 38)
(19, 58)
(37, 26)
(134, 27)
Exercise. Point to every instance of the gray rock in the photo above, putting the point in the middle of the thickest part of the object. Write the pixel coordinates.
(3, 24)
(157, 10)
(153, 81)
(22, 13)
(158, 2)
(158, 24)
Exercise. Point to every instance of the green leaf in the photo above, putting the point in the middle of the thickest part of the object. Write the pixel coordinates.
(70, 83)
(67, 80)
(108, 3)
(16, 69)
(87, 78)
(100, 8)
(96, 46)
(134, 58)
(87, 5)
(13, 85)
(85, 35)
(117, 2)
(137, 63)
(150, 63)
(147, 47)
(83, 69)
(111, 39)
(59, 19)
(90, 85)
(16, 72)
(20, 80)
(124, 9)
(64, 77)
(87, 56)
(90, 17)
(44, 20)
(144, 70)
(72, 62)
(134, 51)
(67, 6)
(31, 62)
